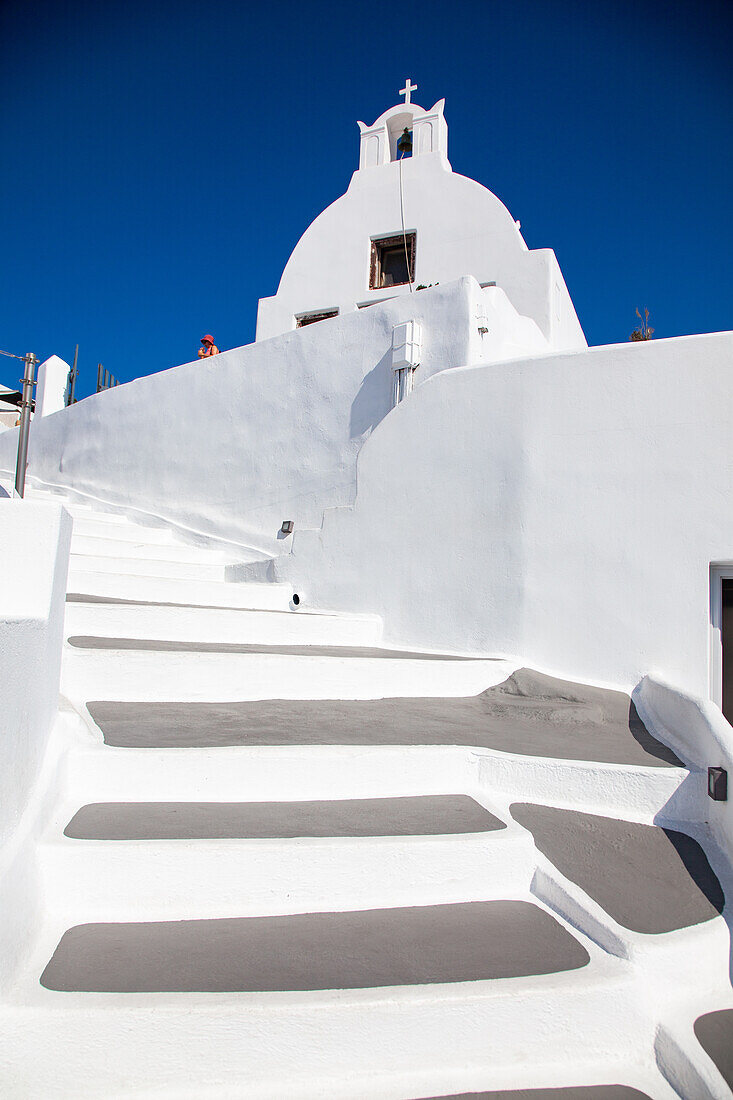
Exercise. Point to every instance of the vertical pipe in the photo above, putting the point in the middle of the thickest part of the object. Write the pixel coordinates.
(99, 377)
(106, 379)
(25, 421)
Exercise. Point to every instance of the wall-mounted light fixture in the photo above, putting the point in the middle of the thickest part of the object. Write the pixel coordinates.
(718, 784)
(287, 527)
(406, 346)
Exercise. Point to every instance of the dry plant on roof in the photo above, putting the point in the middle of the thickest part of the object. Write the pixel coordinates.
(644, 331)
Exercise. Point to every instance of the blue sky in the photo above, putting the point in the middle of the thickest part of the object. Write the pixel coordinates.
(161, 159)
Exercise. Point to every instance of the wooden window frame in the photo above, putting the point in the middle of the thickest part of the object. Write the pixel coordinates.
(306, 319)
(395, 241)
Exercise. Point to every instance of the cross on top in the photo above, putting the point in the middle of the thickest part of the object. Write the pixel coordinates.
(408, 88)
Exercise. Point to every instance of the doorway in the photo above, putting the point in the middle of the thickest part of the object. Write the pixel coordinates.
(721, 637)
(726, 644)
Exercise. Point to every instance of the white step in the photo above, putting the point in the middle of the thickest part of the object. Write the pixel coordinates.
(402, 1042)
(139, 548)
(109, 674)
(94, 525)
(93, 521)
(102, 773)
(171, 590)
(221, 625)
(235, 878)
(77, 509)
(144, 567)
(126, 534)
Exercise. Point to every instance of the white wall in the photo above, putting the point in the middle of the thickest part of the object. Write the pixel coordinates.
(34, 556)
(563, 509)
(462, 229)
(233, 445)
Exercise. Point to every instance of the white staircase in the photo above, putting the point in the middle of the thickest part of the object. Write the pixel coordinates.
(162, 866)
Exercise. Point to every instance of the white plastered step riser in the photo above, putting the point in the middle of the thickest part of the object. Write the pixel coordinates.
(575, 1020)
(630, 791)
(697, 954)
(263, 774)
(224, 625)
(124, 565)
(206, 879)
(83, 511)
(279, 774)
(686, 1066)
(167, 590)
(140, 675)
(96, 527)
(116, 524)
(91, 523)
(96, 546)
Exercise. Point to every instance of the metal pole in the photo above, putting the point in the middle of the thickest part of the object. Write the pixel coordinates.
(71, 385)
(99, 377)
(25, 421)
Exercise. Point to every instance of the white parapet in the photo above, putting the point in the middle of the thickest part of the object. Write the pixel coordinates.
(34, 555)
(697, 731)
(53, 377)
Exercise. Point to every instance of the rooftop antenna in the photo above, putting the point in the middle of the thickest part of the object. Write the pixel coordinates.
(71, 381)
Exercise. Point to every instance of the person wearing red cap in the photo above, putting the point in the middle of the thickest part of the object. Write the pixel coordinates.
(209, 347)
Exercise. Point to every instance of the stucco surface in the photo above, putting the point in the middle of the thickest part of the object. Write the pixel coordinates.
(648, 879)
(426, 815)
(568, 511)
(575, 1092)
(378, 947)
(34, 551)
(271, 430)
(715, 1035)
(80, 597)
(528, 714)
(156, 645)
(34, 557)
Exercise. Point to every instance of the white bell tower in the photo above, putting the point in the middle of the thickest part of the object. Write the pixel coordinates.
(428, 128)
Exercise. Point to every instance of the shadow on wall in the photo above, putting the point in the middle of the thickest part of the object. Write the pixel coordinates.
(373, 399)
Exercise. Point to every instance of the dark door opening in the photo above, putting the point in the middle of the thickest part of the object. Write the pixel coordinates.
(726, 638)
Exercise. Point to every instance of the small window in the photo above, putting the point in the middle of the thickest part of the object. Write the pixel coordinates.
(311, 318)
(375, 302)
(393, 261)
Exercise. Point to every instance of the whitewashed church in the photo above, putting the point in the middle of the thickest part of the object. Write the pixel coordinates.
(371, 739)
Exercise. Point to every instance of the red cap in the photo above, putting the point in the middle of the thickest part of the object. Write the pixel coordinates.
(207, 338)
